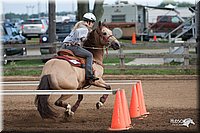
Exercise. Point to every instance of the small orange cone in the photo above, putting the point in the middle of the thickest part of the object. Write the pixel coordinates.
(133, 38)
(125, 109)
(118, 122)
(154, 38)
(134, 105)
(142, 106)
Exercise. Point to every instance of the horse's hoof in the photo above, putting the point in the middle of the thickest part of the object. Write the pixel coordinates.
(69, 114)
(99, 104)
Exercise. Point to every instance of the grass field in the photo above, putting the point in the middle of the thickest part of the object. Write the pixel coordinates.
(12, 66)
(36, 63)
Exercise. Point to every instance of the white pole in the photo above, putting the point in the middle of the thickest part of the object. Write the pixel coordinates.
(35, 83)
(48, 92)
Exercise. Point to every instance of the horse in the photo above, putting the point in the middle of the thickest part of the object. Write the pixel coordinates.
(61, 75)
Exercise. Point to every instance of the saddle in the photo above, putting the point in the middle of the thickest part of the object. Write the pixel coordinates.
(69, 56)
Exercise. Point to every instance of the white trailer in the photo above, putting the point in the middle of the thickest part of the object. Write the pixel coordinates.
(130, 18)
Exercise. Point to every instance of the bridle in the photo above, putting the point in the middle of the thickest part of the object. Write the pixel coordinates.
(106, 39)
(101, 36)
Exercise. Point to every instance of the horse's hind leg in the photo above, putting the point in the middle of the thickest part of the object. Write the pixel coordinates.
(76, 105)
(60, 102)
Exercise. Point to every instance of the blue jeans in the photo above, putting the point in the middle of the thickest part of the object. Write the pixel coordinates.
(81, 52)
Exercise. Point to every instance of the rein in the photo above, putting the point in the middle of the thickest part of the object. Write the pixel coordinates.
(93, 47)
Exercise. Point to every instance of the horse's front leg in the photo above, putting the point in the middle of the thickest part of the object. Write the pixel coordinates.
(102, 83)
(103, 98)
(76, 105)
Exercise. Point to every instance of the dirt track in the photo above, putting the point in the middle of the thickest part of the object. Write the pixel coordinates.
(164, 99)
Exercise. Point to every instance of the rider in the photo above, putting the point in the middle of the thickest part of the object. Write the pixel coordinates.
(75, 40)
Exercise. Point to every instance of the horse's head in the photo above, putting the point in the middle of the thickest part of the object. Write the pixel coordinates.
(106, 37)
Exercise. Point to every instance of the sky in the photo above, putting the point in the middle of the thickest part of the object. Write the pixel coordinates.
(31, 6)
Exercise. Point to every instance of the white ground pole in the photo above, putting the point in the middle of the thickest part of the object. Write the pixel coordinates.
(36, 83)
(48, 92)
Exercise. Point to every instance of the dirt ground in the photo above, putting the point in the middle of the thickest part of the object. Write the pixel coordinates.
(164, 99)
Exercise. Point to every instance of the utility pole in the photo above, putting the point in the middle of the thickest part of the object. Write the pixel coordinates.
(52, 25)
(198, 35)
(38, 9)
(32, 7)
(27, 9)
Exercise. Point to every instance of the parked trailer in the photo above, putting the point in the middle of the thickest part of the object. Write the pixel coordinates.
(129, 18)
(133, 18)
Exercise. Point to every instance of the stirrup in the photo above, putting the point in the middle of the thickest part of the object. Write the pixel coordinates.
(94, 78)
(91, 80)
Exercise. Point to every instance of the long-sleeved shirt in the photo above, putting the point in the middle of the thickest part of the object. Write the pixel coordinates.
(76, 36)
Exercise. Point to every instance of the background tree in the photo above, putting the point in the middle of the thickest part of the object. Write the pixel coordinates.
(177, 4)
(83, 7)
(98, 9)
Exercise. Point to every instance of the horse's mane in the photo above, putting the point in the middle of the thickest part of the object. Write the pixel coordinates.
(90, 42)
(91, 38)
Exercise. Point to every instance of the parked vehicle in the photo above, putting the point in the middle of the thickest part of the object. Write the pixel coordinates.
(10, 35)
(62, 30)
(165, 24)
(33, 28)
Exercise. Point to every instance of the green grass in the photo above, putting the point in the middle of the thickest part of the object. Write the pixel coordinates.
(39, 62)
(26, 63)
(151, 72)
(12, 71)
(109, 60)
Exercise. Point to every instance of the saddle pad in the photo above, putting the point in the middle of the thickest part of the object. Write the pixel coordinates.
(65, 52)
(72, 60)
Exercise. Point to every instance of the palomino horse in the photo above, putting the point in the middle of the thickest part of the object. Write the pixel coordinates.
(59, 74)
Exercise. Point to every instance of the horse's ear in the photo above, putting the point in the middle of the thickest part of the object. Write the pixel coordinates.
(103, 24)
(100, 24)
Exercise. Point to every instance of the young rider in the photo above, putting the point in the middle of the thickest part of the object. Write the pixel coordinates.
(75, 40)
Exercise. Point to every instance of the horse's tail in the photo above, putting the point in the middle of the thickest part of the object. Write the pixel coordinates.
(41, 101)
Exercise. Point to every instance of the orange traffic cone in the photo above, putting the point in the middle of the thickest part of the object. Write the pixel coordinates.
(125, 109)
(133, 38)
(134, 105)
(118, 122)
(154, 38)
(142, 106)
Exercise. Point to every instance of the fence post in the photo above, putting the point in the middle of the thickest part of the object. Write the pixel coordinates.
(121, 58)
(170, 39)
(186, 57)
(52, 26)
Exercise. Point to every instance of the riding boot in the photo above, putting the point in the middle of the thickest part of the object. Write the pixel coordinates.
(91, 79)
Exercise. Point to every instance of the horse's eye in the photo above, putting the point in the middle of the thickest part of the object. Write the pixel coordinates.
(104, 33)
